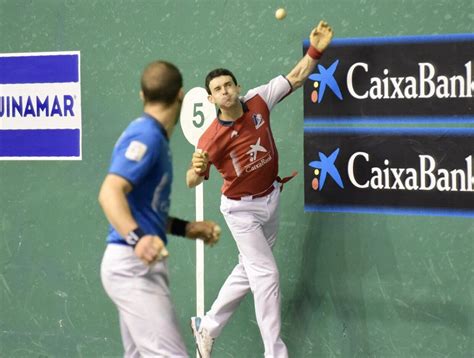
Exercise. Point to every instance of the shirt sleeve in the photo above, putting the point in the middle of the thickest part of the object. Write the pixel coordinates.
(134, 155)
(272, 92)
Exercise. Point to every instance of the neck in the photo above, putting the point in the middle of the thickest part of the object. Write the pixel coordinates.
(167, 116)
(232, 113)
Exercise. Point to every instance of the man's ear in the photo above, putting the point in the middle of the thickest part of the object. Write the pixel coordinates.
(142, 96)
(181, 94)
(211, 99)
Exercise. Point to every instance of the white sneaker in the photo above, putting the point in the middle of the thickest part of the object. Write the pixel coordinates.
(204, 341)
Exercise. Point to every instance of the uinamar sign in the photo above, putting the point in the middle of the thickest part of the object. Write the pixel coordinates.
(40, 106)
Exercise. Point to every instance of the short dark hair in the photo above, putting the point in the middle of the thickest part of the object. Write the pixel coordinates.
(217, 73)
(161, 82)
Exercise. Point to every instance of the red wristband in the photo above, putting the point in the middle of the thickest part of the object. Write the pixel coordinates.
(314, 53)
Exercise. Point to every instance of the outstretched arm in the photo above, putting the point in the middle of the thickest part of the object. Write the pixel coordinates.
(320, 38)
(206, 230)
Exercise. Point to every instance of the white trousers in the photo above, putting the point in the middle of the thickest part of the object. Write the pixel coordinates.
(148, 321)
(254, 225)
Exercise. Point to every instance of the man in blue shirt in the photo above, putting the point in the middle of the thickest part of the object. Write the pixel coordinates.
(135, 197)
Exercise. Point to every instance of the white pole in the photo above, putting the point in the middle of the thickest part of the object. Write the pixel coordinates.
(199, 256)
(200, 253)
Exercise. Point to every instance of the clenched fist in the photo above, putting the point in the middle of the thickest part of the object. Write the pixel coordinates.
(151, 248)
(208, 231)
(321, 36)
(200, 161)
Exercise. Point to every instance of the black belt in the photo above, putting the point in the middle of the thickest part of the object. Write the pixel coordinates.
(267, 191)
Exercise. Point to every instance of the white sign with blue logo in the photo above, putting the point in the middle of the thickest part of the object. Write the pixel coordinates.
(40, 106)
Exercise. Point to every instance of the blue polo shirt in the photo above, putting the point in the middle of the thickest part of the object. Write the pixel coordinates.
(142, 156)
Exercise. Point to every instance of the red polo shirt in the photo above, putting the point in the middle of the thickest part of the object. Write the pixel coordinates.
(244, 150)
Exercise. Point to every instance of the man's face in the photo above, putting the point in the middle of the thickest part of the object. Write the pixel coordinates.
(224, 92)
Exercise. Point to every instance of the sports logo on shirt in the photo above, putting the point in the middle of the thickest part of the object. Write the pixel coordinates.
(136, 150)
(234, 134)
(258, 120)
(254, 149)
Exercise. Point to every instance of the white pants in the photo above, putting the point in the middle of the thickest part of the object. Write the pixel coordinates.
(254, 225)
(148, 322)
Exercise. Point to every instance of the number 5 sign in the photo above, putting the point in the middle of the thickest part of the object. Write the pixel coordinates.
(196, 115)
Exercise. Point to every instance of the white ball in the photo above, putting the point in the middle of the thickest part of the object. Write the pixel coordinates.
(280, 14)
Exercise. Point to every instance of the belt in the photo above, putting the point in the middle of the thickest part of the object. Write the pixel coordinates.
(267, 191)
(251, 197)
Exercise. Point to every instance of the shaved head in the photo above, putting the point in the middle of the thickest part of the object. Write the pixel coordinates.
(161, 82)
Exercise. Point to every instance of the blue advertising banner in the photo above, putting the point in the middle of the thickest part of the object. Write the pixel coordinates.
(40, 106)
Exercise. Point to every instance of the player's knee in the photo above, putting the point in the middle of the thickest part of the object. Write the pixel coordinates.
(270, 274)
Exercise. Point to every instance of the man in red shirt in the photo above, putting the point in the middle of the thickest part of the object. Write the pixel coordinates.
(240, 144)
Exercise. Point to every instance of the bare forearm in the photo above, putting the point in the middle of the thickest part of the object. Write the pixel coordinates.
(193, 179)
(206, 230)
(320, 38)
(300, 73)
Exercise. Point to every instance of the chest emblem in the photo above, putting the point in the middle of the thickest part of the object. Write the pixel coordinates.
(254, 149)
(258, 120)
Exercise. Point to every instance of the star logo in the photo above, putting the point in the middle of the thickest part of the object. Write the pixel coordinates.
(254, 149)
(325, 78)
(324, 166)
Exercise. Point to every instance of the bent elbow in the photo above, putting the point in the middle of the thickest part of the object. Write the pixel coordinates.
(100, 198)
(190, 183)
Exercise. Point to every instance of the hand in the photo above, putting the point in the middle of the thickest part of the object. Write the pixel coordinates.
(200, 161)
(208, 231)
(150, 249)
(321, 36)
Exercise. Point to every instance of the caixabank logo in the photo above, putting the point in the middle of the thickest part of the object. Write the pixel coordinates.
(415, 76)
(399, 170)
(323, 79)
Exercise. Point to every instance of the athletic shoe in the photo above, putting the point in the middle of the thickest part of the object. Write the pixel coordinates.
(204, 341)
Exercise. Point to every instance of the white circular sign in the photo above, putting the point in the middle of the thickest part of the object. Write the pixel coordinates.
(197, 113)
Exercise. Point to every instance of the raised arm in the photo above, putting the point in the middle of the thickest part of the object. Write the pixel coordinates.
(320, 38)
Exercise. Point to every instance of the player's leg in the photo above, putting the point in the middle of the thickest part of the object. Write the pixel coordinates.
(270, 230)
(142, 296)
(129, 347)
(230, 295)
(154, 327)
(263, 276)
(247, 221)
